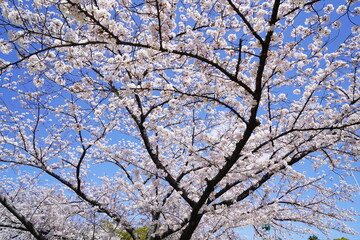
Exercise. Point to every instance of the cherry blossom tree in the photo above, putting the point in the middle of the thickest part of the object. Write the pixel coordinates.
(191, 119)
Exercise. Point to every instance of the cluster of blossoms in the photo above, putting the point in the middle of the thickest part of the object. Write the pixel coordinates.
(191, 119)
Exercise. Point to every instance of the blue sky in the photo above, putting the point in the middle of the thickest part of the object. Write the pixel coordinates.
(356, 205)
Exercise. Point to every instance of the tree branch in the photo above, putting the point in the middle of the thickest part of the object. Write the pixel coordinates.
(26, 222)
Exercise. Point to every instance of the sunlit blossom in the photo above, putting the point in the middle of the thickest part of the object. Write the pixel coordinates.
(177, 119)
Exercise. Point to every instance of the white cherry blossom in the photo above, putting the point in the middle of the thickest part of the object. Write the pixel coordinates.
(186, 119)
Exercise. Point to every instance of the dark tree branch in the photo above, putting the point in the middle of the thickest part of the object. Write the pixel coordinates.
(247, 23)
(157, 161)
(26, 222)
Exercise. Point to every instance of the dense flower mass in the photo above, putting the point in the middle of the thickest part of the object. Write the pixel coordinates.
(185, 119)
